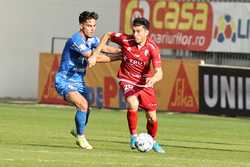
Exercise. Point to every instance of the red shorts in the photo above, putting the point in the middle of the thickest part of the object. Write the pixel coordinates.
(146, 95)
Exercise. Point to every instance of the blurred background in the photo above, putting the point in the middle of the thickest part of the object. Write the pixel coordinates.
(26, 30)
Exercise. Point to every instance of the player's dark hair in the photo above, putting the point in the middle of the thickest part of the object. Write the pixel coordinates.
(86, 15)
(141, 21)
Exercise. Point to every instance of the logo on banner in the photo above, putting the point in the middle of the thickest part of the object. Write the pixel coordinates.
(179, 25)
(134, 9)
(225, 29)
(49, 94)
(182, 98)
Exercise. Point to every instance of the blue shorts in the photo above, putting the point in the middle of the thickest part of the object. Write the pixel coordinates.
(65, 84)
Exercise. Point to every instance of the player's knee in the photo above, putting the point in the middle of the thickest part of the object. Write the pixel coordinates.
(150, 120)
(133, 106)
(151, 117)
(82, 106)
(132, 103)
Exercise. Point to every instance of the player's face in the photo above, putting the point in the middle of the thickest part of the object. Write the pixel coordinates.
(140, 34)
(88, 28)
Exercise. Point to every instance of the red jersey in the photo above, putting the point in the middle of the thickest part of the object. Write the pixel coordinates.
(135, 65)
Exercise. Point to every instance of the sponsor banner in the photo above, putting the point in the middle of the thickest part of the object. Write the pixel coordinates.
(101, 81)
(48, 65)
(179, 88)
(179, 25)
(224, 90)
(231, 27)
(178, 91)
(198, 26)
(104, 86)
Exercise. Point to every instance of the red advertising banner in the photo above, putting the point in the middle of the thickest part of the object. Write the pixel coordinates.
(48, 66)
(182, 98)
(185, 25)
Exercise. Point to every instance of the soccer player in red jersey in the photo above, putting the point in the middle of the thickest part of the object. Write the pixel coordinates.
(136, 79)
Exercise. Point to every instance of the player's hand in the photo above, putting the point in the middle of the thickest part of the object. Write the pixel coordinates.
(150, 82)
(92, 61)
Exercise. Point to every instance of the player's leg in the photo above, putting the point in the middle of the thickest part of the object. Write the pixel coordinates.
(152, 127)
(148, 103)
(87, 116)
(70, 92)
(152, 123)
(132, 107)
(80, 117)
(85, 92)
(132, 118)
(73, 131)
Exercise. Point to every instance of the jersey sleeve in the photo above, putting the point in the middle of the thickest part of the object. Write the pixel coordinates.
(156, 57)
(96, 42)
(118, 38)
(79, 45)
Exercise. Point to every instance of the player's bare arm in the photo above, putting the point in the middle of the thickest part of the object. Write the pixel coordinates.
(155, 78)
(97, 56)
(91, 60)
(103, 47)
(104, 58)
(101, 58)
(111, 49)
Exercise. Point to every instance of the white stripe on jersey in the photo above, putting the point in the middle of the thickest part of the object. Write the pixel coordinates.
(132, 83)
(126, 40)
(151, 45)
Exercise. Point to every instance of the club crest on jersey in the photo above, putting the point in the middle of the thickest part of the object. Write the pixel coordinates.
(146, 52)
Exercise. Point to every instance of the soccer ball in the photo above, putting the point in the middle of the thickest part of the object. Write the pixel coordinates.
(144, 142)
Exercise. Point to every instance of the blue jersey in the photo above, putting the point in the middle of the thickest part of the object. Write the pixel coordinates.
(73, 60)
(70, 75)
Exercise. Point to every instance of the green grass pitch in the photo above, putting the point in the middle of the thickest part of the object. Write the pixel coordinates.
(38, 136)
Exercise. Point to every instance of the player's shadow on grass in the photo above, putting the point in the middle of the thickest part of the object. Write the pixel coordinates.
(204, 148)
(110, 141)
(73, 146)
(204, 142)
(50, 145)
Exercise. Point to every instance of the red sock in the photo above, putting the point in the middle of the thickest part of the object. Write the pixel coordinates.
(132, 121)
(152, 128)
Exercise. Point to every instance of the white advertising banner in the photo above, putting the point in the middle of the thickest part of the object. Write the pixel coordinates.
(231, 27)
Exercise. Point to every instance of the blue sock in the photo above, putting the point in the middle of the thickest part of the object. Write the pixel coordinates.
(80, 119)
(87, 117)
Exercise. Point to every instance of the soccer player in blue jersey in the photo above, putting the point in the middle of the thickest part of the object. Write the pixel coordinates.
(76, 57)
